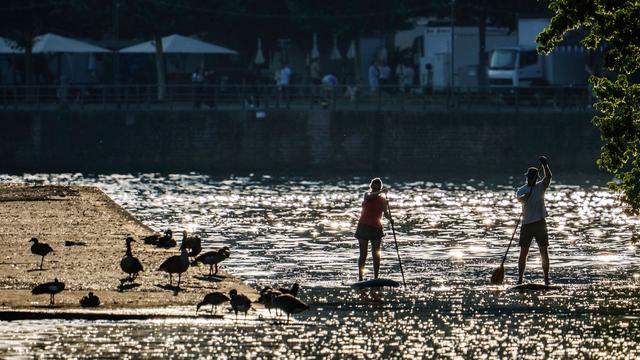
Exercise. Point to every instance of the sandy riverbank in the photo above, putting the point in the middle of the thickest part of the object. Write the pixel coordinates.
(55, 214)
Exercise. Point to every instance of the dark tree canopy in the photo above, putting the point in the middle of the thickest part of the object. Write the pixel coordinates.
(616, 25)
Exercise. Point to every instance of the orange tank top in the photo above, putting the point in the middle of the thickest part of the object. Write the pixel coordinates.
(372, 210)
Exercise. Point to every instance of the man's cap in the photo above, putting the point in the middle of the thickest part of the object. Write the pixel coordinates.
(532, 171)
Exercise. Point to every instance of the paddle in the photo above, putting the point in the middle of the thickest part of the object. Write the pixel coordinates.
(395, 240)
(498, 274)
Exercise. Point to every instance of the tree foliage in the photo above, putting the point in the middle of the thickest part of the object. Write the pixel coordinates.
(616, 26)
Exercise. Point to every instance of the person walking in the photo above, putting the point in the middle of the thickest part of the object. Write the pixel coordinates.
(374, 78)
(197, 81)
(534, 213)
(283, 83)
(370, 226)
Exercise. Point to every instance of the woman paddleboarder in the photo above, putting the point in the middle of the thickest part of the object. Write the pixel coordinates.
(370, 226)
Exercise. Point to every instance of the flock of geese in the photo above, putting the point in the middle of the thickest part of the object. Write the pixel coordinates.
(283, 299)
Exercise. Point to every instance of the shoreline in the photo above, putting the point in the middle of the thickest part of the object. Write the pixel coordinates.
(55, 214)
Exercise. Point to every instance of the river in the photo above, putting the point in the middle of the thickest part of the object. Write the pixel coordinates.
(451, 235)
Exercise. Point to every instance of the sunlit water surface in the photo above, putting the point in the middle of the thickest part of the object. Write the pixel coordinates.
(451, 236)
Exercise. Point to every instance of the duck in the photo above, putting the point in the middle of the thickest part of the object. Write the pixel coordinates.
(267, 295)
(293, 291)
(166, 241)
(214, 299)
(193, 243)
(40, 249)
(176, 264)
(90, 300)
(129, 263)
(213, 258)
(51, 288)
(239, 302)
(290, 304)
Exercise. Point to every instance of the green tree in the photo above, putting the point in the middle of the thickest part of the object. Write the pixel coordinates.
(616, 25)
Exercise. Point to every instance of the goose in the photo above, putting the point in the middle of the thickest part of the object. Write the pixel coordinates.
(239, 302)
(166, 241)
(176, 264)
(293, 291)
(290, 304)
(213, 258)
(267, 295)
(90, 300)
(193, 243)
(41, 249)
(214, 299)
(50, 288)
(129, 263)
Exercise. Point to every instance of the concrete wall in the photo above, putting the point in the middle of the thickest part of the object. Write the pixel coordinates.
(310, 141)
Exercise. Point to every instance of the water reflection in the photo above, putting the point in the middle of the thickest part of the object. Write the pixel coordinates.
(451, 236)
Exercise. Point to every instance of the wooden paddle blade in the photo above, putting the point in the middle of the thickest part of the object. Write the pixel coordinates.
(498, 275)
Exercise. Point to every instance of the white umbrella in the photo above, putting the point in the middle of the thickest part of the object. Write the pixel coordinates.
(8, 47)
(315, 53)
(335, 53)
(178, 44)
(52, 43)
(351, 53)
(259, 60)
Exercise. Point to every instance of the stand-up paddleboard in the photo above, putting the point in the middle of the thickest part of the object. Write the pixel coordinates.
(534, 287)
(375, 283)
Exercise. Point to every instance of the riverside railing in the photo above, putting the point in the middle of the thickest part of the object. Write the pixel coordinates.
(296, 97)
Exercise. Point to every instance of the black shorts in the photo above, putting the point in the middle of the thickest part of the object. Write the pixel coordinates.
(536, 230)
(368, 232)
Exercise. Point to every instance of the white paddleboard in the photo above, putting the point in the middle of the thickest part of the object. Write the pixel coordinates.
(375, 283)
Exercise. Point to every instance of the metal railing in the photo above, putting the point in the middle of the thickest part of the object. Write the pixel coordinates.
(295, 97)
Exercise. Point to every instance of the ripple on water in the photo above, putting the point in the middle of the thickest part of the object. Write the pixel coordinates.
(451, 236)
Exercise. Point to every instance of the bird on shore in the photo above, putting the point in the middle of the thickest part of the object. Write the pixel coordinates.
(166, 241)
(151, 239)
(90, 300)
(40, 249)
(213, 258)
(290, 304)
(51, 288)
(176, 264)
(267, 295)
(293, 291)
(193, 243)
(239, 302)
(214, 299)
(129, 263)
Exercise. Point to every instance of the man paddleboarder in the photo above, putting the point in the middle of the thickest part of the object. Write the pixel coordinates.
(534, 213)
(370, 226)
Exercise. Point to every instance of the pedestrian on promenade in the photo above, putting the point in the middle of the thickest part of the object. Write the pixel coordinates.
(329, 85)
(405, 74)
(534, 213)
(284, 79)
(197, 80)
(374, 77)
(370, 226)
